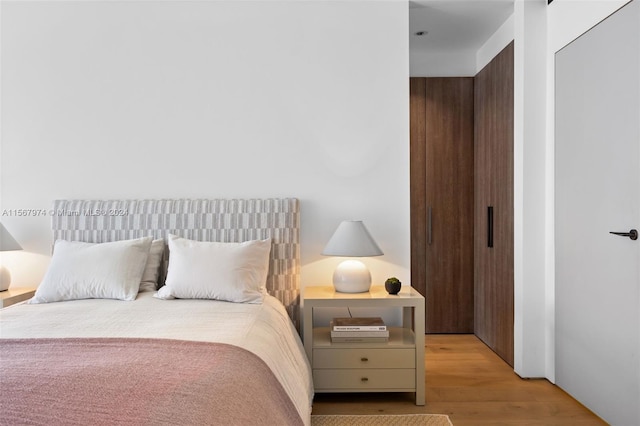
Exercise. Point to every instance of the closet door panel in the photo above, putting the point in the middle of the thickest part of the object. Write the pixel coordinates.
(442, 200)
(418, 193)
(503, 220)
(449, 201)
(483, 156)
(494, 204)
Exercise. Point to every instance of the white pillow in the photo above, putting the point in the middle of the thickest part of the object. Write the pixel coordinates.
(234, 272)
(94, 271)
(151, 272)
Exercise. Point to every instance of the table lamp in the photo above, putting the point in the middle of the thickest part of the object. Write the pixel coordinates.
(7, 243)
(352, 239)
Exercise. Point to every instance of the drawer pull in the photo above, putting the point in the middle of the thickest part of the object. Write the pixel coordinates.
(364, 379)
(364, 359)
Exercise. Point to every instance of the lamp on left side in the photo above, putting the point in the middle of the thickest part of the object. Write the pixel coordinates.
(7, 243)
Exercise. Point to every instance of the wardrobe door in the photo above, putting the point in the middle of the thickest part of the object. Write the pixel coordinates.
(442, 159)
(493, 242)
(418, 188)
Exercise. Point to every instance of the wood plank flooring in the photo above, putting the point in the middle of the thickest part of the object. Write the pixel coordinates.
(475, 387)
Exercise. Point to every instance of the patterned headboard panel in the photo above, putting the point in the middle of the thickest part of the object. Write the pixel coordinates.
(220, 220)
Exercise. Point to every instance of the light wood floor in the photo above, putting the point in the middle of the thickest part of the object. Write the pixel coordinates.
(471, 384)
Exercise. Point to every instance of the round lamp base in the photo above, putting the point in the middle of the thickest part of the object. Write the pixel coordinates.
(351, 276)
(5, 278)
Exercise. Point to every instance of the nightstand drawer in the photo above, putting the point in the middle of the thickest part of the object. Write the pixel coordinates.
(364, 358)
(364, 379)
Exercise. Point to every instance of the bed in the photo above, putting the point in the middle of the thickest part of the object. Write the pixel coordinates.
(168, 353)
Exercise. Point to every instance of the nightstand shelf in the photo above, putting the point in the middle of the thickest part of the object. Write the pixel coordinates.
(399, 337)
(393, 366)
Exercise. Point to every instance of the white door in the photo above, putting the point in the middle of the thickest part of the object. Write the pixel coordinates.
(597, 191)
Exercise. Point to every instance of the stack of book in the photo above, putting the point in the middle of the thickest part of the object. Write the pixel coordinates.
(362, 329)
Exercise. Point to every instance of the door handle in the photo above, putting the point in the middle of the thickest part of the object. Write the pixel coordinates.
(430, 226)
(633, 234)
(490, 226)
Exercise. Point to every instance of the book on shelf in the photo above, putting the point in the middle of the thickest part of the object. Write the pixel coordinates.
(342, 334)
(358, 324)
(362, 329)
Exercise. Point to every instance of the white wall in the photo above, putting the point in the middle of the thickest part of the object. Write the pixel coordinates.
(568, 19)
(443, 64)
(172, 99)
(494, 45)
(530, 328)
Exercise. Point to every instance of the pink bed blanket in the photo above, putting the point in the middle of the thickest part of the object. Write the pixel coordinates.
(137, 382)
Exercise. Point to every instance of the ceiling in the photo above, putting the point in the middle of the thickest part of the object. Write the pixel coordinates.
(455, 25)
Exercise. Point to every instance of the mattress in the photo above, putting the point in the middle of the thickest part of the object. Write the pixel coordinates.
(263, 329)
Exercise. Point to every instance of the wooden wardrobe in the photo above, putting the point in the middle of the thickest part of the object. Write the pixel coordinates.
(462, 202)
(442, 200)
(493, 247)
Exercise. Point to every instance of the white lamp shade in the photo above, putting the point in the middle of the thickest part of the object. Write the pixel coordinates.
(7, 242)
(352, 239)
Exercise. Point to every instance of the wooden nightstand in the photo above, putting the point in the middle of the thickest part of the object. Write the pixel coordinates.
(393, 366)
(15, 295)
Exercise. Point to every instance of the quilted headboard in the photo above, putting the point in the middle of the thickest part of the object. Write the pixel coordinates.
(222, 220)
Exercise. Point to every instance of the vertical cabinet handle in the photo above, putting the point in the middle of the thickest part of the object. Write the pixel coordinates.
(429, 225)
(490, 226)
